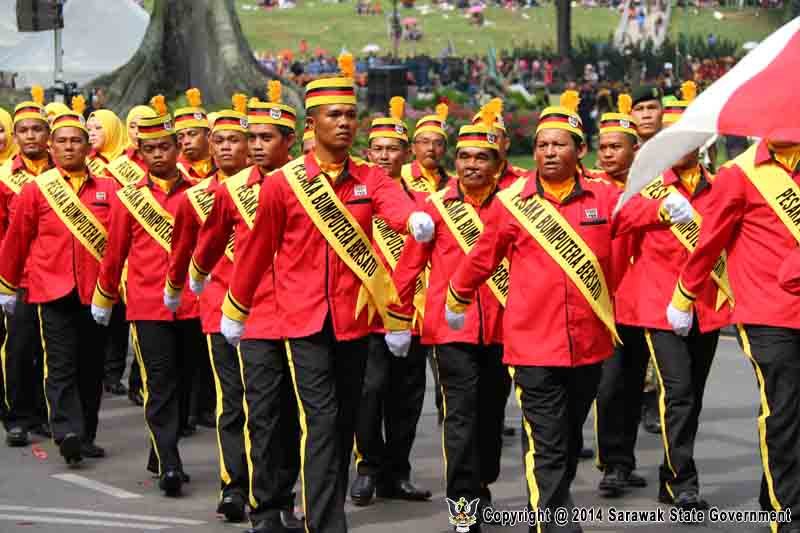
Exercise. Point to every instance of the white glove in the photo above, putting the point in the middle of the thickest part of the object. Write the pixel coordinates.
(101, 315)
(421, 226)
(681, 321)
(172, 302)
(454, 320)
(678, 208)
(8, 302)
(398, 342)
(197, 287)
(231, 329)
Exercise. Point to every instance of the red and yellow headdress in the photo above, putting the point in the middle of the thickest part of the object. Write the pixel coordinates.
(673, 110)
(33, 108)
(336, 90)
(272, 112)
(392, 126)
(192, 116)
(621, 121)
(482, 134)
(72, 118)
(158, 126)
(564, 116)
(234, 119)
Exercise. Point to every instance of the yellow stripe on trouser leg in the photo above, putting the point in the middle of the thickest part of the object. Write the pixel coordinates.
(137, 351)
(762, 423)
(598, 462)
(303, 428)
(435, 354)
(530, 455)
(44, 362)
(248, 444)
(3, 358)
(662, 408)
(358, 455)
(223, 471)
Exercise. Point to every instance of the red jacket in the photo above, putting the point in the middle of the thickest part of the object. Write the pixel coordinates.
(548, 322)
(651, 279)
(133, 155)
(509, 175)
(184, 241)
(484, 320)
(147, 261)
(789, 273)
(311, 281)
(209, 255)
(739, 220)
(193, 175)
(39, 243)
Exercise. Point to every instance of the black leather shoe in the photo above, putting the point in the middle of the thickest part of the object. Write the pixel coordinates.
(232, 507)
(689, 500)
(17, 437)
(171, 483)
(70, 449)
(92, 450)
(186, 478)
(135, 396)
(362, 490)
(115, 389)
(508, 431)
(403, 490)
(42, 430)
(631, 479)
(290, 522)
(585, 453)
(611, 485)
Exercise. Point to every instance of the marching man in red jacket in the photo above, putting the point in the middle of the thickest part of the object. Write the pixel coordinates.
(58, 237)
(555, 228)
(315, 218)
(142, 219)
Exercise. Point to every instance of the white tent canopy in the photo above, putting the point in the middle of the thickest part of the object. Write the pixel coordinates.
(98, 36)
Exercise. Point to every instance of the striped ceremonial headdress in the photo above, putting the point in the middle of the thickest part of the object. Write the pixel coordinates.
(621, 121)
(674, 109)
(72, 118)
(192, 116)
(433, 123)
(499, 124)
(33, 108)
(337, 90)
(482, 134)
(564, 116)
(233, 119)
(158, 126)
(273, 112)
(392, 126)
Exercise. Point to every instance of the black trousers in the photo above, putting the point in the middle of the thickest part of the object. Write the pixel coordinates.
(328, 376)
(166, 352)
(201, 393)
(554, 403)
(391, 404)
(23, 367)
(775, 356)
(3, 406)
(682, 365)
(74, 348)
(474, 385)
(229, 415)
(272, 430)
(117, 354)
(619, 400)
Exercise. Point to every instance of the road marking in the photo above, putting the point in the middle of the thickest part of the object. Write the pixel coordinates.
(76, 522)
(97, 486)
(100, 514)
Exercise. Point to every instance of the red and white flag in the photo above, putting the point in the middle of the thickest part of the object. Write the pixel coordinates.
(759, 97)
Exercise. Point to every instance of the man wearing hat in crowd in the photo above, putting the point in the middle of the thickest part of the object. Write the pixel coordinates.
(192, 128)
(469, 362)
(647, 112)
(559, 321)
(682, 363)
(229, 139)
(317, 210)
(425, 173)
(271, 429)
(130, 168)
(620, 388)
(508, 173)
(142, 218)
(394, 387)
(57, 237)
(22, 348)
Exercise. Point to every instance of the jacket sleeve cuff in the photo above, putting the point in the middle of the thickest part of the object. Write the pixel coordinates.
(6, 287)
(682, 300)
(173, 289)
(456, 302)
(233, 309)
(100, 298)
(197, 273)
(394, 321)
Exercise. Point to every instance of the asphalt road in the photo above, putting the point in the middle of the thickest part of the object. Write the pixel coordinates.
(38, 493)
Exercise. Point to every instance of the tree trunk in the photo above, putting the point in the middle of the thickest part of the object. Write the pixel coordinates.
(564, 28)
(191, 43)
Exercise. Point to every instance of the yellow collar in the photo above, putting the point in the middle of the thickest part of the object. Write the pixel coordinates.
(559, 190)
(203, 167)
(332, 170)
(36, 167)
(76, 179)
(690, 178)
(788, 157)
(165, 185)
(431, 176)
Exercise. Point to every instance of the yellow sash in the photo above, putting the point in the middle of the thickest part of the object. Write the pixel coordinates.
(419, 184)
(563, 244)
(14, 180)
(345, 236)
(125, 171)
(687, 235)
(391, 244)
(245, 197)
(96, 166)
(776, 186)
(75, 215)
(466, 226)
(202, 201)
(156, 221)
